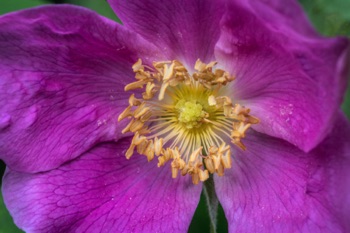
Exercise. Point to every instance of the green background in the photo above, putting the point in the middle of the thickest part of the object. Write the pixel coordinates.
(329, 17)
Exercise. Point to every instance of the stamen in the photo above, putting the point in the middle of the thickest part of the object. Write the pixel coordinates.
(185, 118)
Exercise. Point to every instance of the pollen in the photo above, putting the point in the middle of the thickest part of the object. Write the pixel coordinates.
(186, 119)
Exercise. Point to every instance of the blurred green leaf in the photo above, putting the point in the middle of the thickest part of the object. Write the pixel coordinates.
(11, 5)
(329, 17)
(100, 6)
(7, 225)
(346, 104)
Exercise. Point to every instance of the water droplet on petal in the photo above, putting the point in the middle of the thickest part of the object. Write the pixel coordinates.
(138, 170)
(30, 117)
(143, 219)
(5, 121)
(101, 122)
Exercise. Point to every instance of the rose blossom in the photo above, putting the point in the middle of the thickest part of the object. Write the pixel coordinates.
(271, 99)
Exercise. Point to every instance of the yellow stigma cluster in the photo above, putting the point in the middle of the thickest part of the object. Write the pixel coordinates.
(190, 113)
(185, 118)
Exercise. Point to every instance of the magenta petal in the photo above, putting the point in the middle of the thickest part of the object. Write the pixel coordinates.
(102, 191)
(290, 15)
(61, 85)
(334, 158)
(291, 78)
(184, 30)
(275, 187)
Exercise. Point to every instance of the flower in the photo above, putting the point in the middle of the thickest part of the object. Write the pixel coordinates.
(63, 71)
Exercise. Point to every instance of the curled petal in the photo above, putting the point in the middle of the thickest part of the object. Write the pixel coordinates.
(292, 79)
(61, 85)
(283, 15)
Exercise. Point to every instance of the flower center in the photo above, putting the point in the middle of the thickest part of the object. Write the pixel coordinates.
(190, 113)
(186, 118)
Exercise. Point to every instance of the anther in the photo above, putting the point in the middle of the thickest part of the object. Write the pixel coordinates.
(187, 112)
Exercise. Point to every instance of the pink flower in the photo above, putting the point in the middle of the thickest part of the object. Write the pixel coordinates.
(63, 70)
